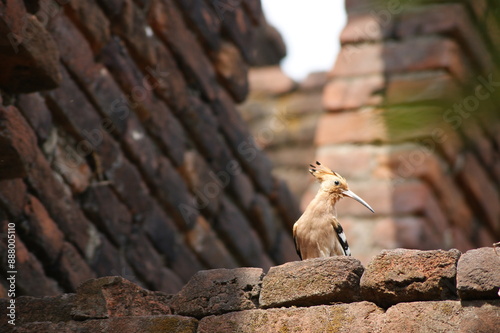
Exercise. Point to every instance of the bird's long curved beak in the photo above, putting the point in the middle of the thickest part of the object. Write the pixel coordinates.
(353, 195)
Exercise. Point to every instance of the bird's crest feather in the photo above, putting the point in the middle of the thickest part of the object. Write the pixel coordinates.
(321, 172)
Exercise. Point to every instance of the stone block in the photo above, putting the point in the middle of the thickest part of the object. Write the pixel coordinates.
(145, 324)
(443, 316)
(114, 296)
(219, 291)
(478, 274)
(402, 275)
(312, 282)
(360, 317)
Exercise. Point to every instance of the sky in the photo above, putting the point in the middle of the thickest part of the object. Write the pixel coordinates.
(310, 30)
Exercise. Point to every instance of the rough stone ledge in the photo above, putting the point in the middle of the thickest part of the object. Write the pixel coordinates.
(413, 286)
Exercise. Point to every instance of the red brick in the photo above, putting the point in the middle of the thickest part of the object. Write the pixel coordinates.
(269, 81)
(30, 58)
(284, 249)
(75, 50)
(341, 127)
(17, 144)
(286, 204)
(422, 87)
(149, 264)
(264, 220)
(170, 83)
(91, 21)
(365, 27)
(481, 190)
(31, 277)
(58, 202)
(34, 109)
(236, 25)
(41, 230)
(139, 88)
(170, 243)
(107, 260)
(13, 196)
(167, 22)
(72, 268)
(461, 240)
(341, 94)
(423, 53)
(243, 241)
(241, 188)
(446, 19)
(203, 182)
(204, 21)
(75, 171)
(104, 208)
(232, 71)
(417, 162)
(206, 244)
(351, 161)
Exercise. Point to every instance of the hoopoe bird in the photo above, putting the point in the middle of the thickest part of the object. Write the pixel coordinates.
(318, 233)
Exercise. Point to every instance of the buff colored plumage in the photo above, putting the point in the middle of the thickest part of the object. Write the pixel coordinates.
(318, 233)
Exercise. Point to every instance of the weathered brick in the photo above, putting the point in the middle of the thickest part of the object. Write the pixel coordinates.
(167, 22)
(149, 264)
(362, 316)
(312, 282)
(415, 161)
(286, 203)
(236, 231)
(482, 189)
(264, 220)
(269, 80)
(232, 71)
(423, 53)
(103, 207)
(353, 93)
(208, 246)
(422, 87)
(34, 309)
(105, 259)
(34, 109)
(450, 19)
(235, 24)
(146, 324)
(139, 88)
(204, 21)
(203, 182)
(91, 20)
(365, 27)
(170, 243)
(478, 274)
(32, 278)
(13, 196)
(18, 144)
(351, 161)
(30, 56)
(72, 268)
(444, 316)
(41, 230)
(402, 275)
(114, 296)
(218, 291)
(343, 125)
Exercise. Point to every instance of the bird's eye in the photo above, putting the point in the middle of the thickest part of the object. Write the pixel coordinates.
(336, 182)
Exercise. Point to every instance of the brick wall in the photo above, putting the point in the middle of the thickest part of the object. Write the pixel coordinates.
(437, 290)
(122, 150)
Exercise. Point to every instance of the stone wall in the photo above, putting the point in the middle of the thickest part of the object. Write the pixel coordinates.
(399, 291)
(122, 152)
